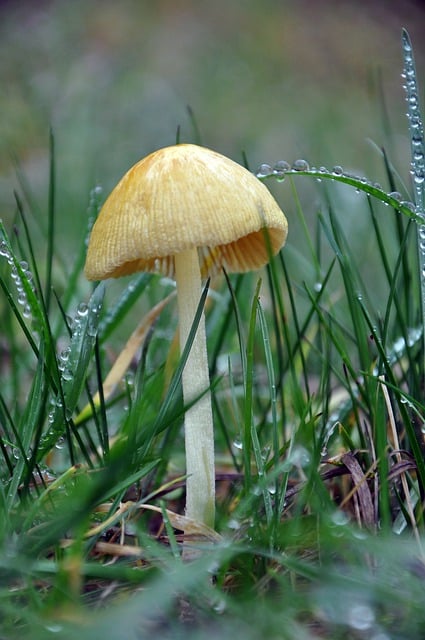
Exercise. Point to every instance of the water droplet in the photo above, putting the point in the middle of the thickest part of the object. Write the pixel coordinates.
(234, 524)
(54, 628)
(361, 617)
(65, 353)
(27, 311)
(220, 606)
(22, 298)
(408, 205)
(317, 286)
(281, 166)
(339, 518)
(96, 191)
(338, 170)
(417, 140)
(407, 47)
(298, 457)
(91, 331)
(395, 195)
(263, 170)
(4, 250)
(67, 375)
(60, 443)
(237, 444)
(300, 165)
(82, 310)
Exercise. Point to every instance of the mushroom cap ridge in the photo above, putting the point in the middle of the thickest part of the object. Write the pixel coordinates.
(182, 197)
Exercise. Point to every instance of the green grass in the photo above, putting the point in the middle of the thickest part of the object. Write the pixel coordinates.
(319, 414)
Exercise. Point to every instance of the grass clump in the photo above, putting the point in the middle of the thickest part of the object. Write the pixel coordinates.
(317, 385)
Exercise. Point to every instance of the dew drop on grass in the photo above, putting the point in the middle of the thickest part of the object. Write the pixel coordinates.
(281, 166)
(263, 170)
(67, 375)
(54, 628)
(220, 606)
(27, 311)
(213, 568)
(91, 331)
(298, 457)
(22, 298)
(338, 170)
(339, 518)
(416, 141)
(408, 205)
(63, 358)
(361, 617)
(82, 310)
(415, 122)
(4, 250)
(60, 443)
(280, 169)
(300, 165)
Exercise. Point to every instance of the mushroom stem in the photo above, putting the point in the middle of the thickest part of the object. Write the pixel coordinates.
(198, 421)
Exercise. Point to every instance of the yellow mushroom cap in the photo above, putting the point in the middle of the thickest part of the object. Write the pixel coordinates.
(179, 198)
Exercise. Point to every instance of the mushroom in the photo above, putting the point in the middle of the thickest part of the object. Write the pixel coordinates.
(187, 212)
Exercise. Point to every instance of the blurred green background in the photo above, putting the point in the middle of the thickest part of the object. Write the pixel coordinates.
(275, 79)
